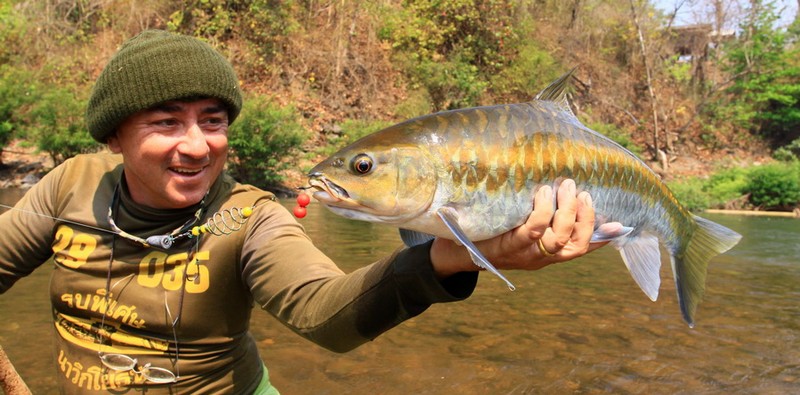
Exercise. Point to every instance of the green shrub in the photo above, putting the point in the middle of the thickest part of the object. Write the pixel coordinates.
(12, 31)
(56, 124)
(789, 152)
(528, 73)
(451, 48)
(18, 92)
(679, 71)
(451, 84)
(689, 191)
(775, 186)
(262, 140)
(726, 186)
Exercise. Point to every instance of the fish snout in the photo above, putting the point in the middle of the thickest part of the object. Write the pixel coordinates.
(318, 181)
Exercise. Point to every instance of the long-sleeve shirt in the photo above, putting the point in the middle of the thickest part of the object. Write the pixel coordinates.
(187, 308)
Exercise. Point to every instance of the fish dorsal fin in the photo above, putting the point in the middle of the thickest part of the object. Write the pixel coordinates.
(556, 92)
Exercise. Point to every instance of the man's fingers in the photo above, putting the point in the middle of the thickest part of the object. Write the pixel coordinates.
(564, 218)
(584, 220)
(542, 214)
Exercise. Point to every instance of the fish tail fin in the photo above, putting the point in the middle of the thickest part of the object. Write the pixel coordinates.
(690, 265)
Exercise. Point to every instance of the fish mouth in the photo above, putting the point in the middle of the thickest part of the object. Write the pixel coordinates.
(336, 198)
(327, 190)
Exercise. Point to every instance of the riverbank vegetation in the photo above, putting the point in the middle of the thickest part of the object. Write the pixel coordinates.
(700, 101)
(773, 186)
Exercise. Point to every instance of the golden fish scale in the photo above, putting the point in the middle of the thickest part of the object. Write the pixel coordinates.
(491, 151)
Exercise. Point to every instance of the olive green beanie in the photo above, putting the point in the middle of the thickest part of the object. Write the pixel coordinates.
(157, 66)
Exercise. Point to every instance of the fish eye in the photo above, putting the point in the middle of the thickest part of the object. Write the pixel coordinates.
(362, 164)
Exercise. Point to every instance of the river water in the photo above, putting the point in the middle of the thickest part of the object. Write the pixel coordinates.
(581, 327)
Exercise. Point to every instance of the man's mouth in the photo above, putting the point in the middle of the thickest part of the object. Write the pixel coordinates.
(185, 171)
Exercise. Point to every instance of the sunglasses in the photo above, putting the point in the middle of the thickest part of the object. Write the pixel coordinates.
(124, 363)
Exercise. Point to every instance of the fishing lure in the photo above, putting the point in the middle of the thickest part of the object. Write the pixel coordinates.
(221, 223)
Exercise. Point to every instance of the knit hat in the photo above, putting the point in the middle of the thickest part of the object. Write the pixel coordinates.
(154, 67)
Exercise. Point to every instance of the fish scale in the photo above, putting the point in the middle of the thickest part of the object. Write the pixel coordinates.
(471, 174)
(547, 154)
(554, 151)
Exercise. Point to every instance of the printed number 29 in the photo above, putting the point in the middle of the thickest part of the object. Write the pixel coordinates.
(72, 250)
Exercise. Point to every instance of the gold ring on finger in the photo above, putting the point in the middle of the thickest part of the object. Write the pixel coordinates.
(542, 249)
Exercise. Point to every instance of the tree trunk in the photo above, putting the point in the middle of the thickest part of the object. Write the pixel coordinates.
(650, 90)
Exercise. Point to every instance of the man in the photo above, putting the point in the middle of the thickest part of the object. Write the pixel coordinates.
(144, 297)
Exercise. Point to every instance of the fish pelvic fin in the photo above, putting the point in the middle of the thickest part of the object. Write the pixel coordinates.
(450, 218)
(413, 238)
(689, 267)
(557, 91)
(642, 257)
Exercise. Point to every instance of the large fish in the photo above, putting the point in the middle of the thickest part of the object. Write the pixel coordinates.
(471, 174)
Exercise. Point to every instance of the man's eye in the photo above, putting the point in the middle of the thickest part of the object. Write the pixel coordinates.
(216, 121)
(166, 122)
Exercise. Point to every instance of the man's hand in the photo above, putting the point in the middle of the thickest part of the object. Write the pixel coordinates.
(547, 236)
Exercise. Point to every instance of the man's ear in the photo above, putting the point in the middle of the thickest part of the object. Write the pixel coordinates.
(113, 144)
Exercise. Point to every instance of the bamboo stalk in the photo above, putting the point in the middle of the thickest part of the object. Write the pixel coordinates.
(10, 380)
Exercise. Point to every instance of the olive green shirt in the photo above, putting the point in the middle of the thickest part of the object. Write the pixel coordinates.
(199, 292)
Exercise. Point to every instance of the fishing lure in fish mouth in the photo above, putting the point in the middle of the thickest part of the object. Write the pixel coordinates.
(321, 183)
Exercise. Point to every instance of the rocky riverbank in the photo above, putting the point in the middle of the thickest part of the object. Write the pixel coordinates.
(22, 167)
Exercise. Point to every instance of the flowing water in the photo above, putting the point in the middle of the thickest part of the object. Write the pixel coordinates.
(580, 327)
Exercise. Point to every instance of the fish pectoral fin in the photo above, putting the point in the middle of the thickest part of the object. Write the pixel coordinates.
(450, 218)
(413, 238)
(642, 256)
(609, 232)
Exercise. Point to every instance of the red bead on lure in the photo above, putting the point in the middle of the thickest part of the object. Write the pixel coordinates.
(303, 200)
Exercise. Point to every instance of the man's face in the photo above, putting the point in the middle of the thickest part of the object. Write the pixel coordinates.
(173, 152)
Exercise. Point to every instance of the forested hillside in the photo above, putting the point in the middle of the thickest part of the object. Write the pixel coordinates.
(318, 73)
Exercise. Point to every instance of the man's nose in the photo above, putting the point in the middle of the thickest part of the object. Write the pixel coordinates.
(194, 142)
